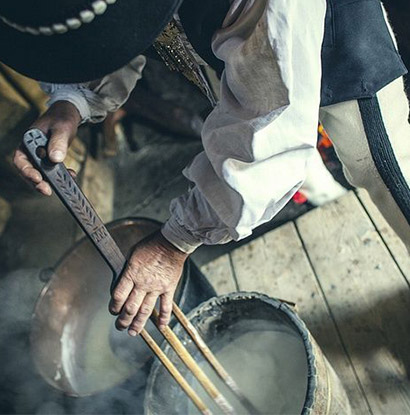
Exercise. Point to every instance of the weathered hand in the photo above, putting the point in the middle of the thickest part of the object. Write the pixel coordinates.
(60, 124)
(153, 271)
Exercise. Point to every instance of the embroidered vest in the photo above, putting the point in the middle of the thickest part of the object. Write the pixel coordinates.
(358, 54)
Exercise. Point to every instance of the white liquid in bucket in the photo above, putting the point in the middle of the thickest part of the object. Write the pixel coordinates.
(270, 367)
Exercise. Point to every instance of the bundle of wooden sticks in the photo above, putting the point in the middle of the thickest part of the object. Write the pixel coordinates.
(191, 364)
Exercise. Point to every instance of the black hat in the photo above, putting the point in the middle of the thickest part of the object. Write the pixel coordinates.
(66, 41)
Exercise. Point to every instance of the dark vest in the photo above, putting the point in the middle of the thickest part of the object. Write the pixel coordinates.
(358, 55)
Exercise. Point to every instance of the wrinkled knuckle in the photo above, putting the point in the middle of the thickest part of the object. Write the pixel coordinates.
(130, 271)
(117, 296)
(128, 274)
(129, 309)
(166, 309)
(164, 320)
(145, 311)
(165, 313)
(141, 319)
(137, 326)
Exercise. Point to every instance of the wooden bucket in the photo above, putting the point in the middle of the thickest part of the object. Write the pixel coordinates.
(266, 348)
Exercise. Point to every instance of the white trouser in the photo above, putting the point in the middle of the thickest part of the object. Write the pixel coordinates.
(372, 140)
(320, 187)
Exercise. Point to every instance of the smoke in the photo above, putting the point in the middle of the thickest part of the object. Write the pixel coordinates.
(22, 389)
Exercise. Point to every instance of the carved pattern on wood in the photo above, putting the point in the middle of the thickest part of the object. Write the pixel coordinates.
(37, 137)
(99, 234)
(77, 200)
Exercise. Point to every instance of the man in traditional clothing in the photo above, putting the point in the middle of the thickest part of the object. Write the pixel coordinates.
(284, 64)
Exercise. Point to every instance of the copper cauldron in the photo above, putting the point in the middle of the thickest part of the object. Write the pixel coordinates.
(75, 345)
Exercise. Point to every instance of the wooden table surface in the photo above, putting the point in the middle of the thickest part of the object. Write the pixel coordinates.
(349, 275)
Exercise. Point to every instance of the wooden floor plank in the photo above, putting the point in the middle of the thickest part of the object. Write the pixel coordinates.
(396, 246)
(368, 297)
(219, 274)
(276, 265)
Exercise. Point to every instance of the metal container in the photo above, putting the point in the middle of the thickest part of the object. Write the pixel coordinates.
(74, 343)
(266, 348)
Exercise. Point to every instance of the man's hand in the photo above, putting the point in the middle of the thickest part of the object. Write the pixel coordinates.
(60, 124)
(153, 271)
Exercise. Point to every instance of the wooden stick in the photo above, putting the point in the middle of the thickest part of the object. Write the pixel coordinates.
(175, 373)
(190, 363)
(211, 358)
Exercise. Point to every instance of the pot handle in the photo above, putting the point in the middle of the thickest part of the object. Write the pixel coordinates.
(35, 142)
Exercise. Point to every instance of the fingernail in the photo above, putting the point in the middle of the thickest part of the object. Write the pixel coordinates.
(57, 156)
(132, 333)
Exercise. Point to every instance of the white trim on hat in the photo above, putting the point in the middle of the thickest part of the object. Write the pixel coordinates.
(99, 7)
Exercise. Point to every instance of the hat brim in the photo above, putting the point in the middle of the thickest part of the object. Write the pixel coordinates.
(94, 50)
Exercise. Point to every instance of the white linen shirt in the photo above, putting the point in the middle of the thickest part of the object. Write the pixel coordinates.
(258, 139)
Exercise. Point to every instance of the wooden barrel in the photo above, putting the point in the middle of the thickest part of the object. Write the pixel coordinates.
(266, 348)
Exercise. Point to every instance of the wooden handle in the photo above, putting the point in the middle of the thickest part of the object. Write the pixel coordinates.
(65, 187)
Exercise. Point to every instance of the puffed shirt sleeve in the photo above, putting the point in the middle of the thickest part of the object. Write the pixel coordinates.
(258, 139)
(95, 99)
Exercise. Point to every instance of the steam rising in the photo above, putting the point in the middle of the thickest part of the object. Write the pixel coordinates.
(23, 390)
